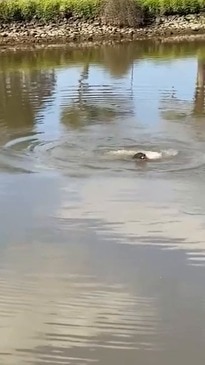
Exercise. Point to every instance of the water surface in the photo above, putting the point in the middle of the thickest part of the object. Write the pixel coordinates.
(102, 258)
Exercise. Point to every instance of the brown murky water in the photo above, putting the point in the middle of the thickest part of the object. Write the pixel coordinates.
(102, 259)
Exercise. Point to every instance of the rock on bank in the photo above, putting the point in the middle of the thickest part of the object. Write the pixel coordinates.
(76, 30)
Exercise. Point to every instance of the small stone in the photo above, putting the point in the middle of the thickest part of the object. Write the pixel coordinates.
(195, 28)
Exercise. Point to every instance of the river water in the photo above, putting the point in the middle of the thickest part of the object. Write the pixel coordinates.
(102, 258)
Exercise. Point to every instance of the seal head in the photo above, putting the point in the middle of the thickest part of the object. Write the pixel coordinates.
(140, 156)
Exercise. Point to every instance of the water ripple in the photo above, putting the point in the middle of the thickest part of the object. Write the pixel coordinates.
(73, 154)
(73, 314)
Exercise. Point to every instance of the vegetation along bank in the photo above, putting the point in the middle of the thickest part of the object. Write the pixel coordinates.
(41, 21)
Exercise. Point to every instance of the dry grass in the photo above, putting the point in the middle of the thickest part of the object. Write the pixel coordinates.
(122, 12)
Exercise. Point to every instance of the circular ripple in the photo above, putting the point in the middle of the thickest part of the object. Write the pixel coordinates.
(81, 155)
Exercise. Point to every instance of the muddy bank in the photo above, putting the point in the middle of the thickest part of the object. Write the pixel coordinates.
(76, 30)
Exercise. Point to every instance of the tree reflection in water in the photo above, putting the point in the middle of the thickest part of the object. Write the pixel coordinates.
(96, 104)
(22, 96)
(199, 102)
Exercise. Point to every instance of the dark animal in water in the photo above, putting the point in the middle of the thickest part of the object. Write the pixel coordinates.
(140, 156)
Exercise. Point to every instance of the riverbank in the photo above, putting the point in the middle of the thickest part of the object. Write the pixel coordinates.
(76, 30)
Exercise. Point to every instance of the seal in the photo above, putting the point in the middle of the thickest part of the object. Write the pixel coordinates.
(140, 156)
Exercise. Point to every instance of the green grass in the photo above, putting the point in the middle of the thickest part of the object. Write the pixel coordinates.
(175, 6)
(46, 9)
(50, 9)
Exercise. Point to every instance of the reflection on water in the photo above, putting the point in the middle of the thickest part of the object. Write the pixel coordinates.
(200, 91)
(102, 257)
(63, 305)
(22, 95)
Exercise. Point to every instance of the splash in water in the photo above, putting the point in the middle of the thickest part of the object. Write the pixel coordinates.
(151, 155)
